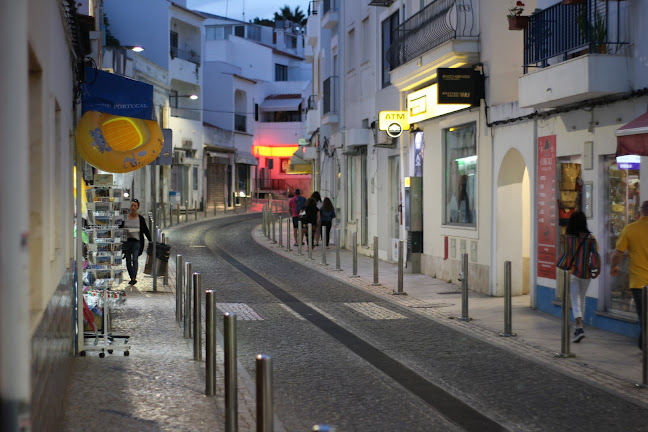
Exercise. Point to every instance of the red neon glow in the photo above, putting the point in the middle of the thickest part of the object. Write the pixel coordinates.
(274, 151)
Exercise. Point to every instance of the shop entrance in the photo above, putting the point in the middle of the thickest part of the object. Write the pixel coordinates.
(513, 220)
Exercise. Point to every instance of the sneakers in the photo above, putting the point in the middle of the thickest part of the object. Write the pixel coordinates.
(579, 334)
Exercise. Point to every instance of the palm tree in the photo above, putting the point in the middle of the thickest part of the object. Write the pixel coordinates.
(297, 16)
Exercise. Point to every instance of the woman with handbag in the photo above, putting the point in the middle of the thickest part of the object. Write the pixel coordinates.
(581, 258)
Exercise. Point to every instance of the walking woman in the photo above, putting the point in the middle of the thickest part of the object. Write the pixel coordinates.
(327, 214)
(581, 258)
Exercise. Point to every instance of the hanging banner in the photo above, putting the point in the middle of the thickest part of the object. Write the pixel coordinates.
(114, 94)
(546, 199)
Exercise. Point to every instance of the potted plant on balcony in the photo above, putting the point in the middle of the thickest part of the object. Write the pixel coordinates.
(516, 20)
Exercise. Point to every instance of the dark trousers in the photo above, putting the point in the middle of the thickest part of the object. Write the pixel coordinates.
(637, 295)
(131, 253)
(326, 228)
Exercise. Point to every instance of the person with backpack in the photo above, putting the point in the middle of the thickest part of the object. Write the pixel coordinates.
(581, 258)
(295, 205)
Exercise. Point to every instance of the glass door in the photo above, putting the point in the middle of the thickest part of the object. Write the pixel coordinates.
(621, 208)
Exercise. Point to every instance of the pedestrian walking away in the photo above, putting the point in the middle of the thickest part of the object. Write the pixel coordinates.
(327, 214)
(135, 229)
(317, 227)
(295, 205)
(581, 258)
(309, 216)
(634, 240)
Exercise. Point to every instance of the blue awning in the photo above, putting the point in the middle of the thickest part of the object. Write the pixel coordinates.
(114, 94)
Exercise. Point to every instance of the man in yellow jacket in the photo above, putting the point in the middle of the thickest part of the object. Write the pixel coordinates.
(634, 239)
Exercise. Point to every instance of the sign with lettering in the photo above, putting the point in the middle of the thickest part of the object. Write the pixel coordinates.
(394, 122)
(459, 86)
(547, 207)
(422, 105)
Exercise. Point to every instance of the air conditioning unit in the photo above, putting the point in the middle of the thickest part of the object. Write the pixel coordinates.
(178, 157)
(384, 140)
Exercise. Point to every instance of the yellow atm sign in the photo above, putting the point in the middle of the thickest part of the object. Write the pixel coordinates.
(387, 118)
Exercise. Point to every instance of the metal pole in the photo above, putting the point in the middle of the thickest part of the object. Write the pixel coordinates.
(354, 248)
(197, 319)
(644, 338)
(245, 200)
(399, 290)
(205, 208)
(186, 211)
(464, 288)
(280, 231)
(310, 241)
(178, 210)
(187, 301)
(170, 214)
(179, 285)
(231, 398)
(154, 258)
(163, 211)
(165, 280)
(375, 260)
(337, 249)
(264, 393)
(323, 240)
(564, 331)
(507, 301)
(288, 222)
(214, 206)
(195, 212)
(299, 234)
(210, 342)
(273, 216)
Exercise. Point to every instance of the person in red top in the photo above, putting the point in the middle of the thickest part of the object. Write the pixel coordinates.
(296, 204)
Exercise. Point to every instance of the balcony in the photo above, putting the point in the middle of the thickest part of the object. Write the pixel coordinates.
(572, 51)
(190, 56)
(330, 13)
(330, 95)
(312, 29)
(443, 34)
(186, 113)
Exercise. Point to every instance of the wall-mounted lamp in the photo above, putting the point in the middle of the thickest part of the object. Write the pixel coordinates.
(191, 96)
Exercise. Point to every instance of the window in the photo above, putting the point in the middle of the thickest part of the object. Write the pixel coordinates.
(173, 40)
(239, 31)
(366, 40)
(388, 36)
(281, 72)
(214, 33)
(460, 175)
(351, 54)
(350, 187)
(195, 178)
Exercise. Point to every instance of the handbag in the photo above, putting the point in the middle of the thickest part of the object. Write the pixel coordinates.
(562, 260)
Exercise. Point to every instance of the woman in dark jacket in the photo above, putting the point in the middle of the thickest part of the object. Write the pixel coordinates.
(327, 214)
(310, 217)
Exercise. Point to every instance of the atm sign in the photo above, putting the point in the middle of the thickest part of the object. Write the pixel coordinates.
(388, 118)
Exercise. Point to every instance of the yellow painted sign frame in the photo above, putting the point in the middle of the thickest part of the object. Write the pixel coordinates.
(386, 118)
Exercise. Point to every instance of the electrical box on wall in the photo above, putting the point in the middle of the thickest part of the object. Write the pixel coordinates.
(473, 251)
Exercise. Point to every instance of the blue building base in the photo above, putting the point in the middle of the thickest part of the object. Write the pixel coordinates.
(545, 301)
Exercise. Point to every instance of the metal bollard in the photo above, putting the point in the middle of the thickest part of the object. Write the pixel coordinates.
(245, 200)
(231, 398)
(399, 290)
(337, 250)
(288, 222)
(197, 319)
(280, 231)
(154, 266)
(264, 393)
(163, 211)
(179, 285)
(186, 211)
(187, 301)
(464, 288)
(375, 260)
(564, 331)
(165, 279)
(323, 241)
(170, 214)
(178, 211)
(310, 241)
(273, 216)
(210, 342)
(195, 212)
(354, 248)
(644, 337)
(507, 301)
(299, 240)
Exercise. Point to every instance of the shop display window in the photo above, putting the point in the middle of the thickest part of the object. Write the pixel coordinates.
(460, 179)
(622, 207)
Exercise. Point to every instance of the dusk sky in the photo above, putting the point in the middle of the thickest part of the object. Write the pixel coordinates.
(252, 8)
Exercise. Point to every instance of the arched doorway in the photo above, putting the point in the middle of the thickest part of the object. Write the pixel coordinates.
(513, 223)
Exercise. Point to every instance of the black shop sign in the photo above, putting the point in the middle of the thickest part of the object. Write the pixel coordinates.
(459, 86)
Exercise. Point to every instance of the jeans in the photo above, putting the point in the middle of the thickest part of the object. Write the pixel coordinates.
(577, 290)
(326, 228)
(637, 294)
(131, 252)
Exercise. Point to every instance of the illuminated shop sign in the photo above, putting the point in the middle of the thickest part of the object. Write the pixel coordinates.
(423, 105)
(628, 162)
(393, 122)
(459, 86)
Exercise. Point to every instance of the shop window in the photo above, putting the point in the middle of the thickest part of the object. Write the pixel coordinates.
(622, 207)
(460, 179)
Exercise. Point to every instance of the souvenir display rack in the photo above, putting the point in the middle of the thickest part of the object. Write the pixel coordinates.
(103, 271)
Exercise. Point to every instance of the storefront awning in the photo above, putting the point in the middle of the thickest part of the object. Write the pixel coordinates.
(246, 158)
(632, 139)
(218, 158)
(298, 165)
(281, 105)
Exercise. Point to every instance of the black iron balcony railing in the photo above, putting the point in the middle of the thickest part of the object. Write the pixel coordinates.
(438, 22)
(312, 103)
(186, 113)
(562, 31)
(240, 124)
(329, 5)
(330, 95)
(190, 56)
